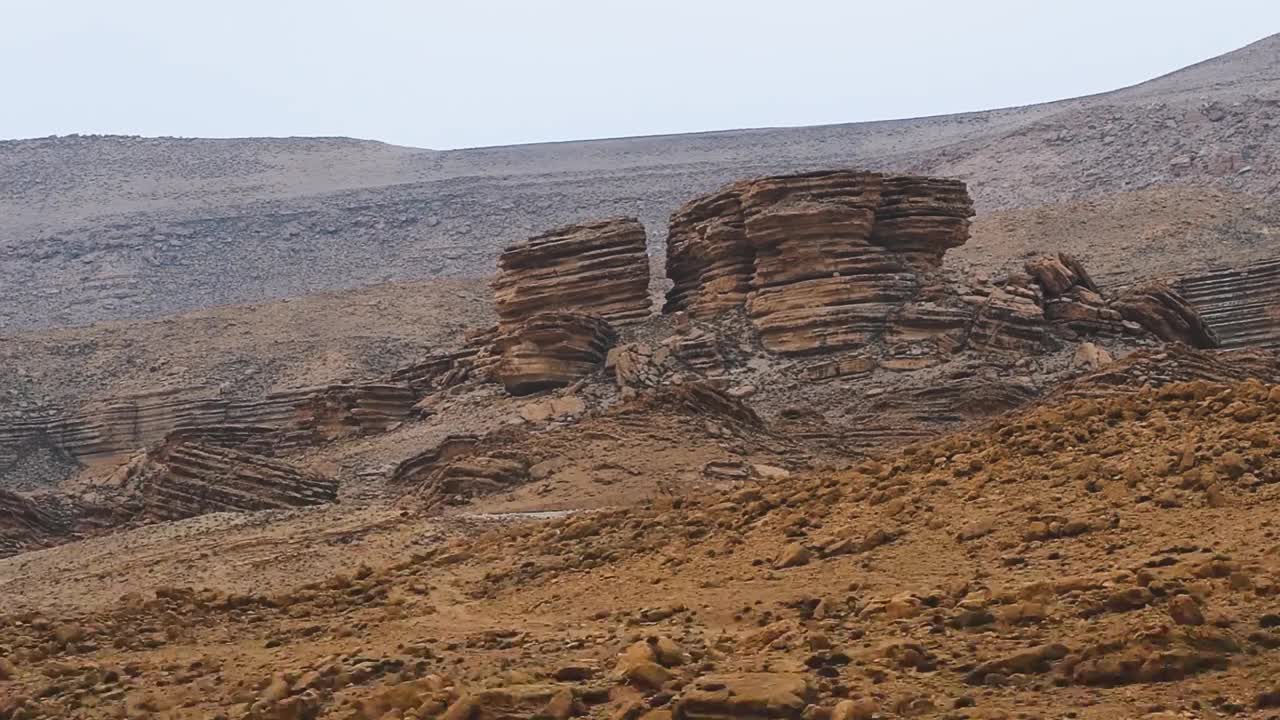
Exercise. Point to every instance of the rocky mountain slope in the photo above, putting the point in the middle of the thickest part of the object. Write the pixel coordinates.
(835, 478)
(96, 228)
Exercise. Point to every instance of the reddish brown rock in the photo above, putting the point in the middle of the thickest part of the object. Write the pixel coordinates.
(823, 260)
(761, 696)
(552, 350)
(708, 243)
(26, 523)
(599, 268)
(1011, 321)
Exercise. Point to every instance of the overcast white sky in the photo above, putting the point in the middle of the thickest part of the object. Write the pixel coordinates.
(458, 73)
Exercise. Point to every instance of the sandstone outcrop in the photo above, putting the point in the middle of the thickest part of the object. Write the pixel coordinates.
(461, 467)
(1011, 320)
(1074, 305)
(599, 268)
(709, 259)
(438, 371)
(1176, 364)
(418, 468)
(183, 479)
(43, 519)
(25, 523)
(113, 431)
(1239, 305)
(822, 260)
(1163, 312)
(551, 350)
(349, 410)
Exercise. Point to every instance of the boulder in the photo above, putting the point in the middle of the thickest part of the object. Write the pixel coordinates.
(759, 696)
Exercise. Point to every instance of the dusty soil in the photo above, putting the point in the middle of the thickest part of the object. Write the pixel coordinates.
(1107, 558)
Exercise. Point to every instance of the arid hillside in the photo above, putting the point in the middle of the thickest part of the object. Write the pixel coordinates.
(828, 477)
(102, 228)
(977, 420)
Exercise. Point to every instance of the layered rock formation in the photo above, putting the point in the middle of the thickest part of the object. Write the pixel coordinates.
(1175, 364)
(599, 268)
(1163, 312)
(438, 371)
(1241, 305)
(113, 431)
(1074, 305)
(415, 470)
(461, 467)
(25, 523)
(551, 350)
(1011, 321)
(822, 260)
(183, 479)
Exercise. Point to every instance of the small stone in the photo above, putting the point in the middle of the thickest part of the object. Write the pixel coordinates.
(574, 673)
(770, 472)
(561, 706)
(668, 652)
(277, 689)
(794, 555)
(860, 709)
(646, 674)
(1185, 610)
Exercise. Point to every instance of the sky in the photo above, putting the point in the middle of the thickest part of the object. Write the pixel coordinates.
(463, 73)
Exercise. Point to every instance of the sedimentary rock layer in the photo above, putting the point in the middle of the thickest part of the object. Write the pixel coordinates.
(822, 260)
(184, 479)
(438, 371)
(115, 430)
(599, 268)
(552, 350)
(1176, 364)
(1240, 305)
(25, 523)
(1163, 312)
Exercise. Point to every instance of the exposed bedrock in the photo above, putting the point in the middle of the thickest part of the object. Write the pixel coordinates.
(552, 349)
(179, 479)
(599, 268)
(1241, 305)
(25, 522)
(1163, 312)
(822, 261)
(113, 431)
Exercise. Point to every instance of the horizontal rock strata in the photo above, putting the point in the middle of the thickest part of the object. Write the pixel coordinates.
(552, 350)
(113, 431)
(1240, 305)
(599, 268)
(821, 260)
(438, 371)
